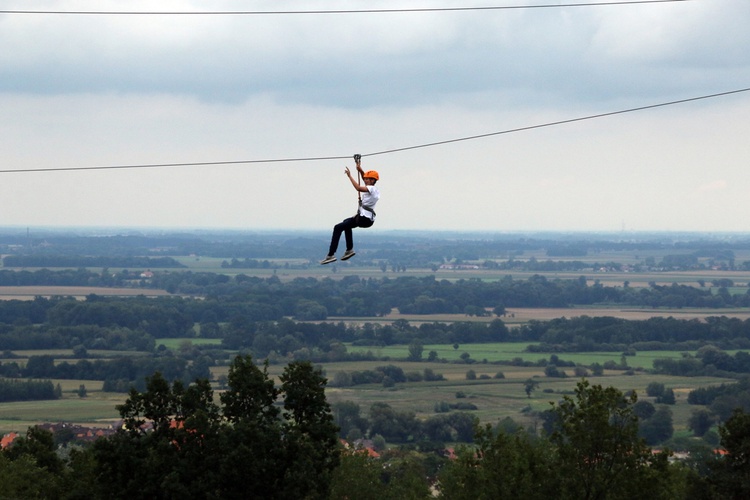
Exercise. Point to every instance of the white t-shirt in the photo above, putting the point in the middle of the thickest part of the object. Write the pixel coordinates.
(369, 199)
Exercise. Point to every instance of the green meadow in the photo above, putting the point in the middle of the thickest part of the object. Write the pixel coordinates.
(497, 398)
(506, 352)
(174, 344)
(494, 398)
(97, 409)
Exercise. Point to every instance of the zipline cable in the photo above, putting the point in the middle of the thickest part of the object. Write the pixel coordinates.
(560, 122)
(164, 165)
(387, 151)
(353, 11)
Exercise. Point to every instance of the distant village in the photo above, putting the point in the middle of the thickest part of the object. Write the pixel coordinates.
(67, 433)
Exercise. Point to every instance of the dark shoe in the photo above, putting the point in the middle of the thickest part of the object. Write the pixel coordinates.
(348, 255)
(328, 259)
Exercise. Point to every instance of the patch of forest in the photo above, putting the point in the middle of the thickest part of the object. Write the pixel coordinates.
(318, 299)
(77, 261)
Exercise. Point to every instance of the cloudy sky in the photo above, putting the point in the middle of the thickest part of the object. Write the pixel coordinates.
(111, 90)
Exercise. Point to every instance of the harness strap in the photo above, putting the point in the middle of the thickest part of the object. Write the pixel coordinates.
(357, 159)
(369, 209)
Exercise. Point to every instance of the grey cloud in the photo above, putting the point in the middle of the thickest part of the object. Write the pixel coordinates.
(571, 55)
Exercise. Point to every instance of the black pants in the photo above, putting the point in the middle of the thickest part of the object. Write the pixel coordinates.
(346, 227)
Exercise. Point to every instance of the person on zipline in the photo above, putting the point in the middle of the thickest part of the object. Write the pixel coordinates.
(365, 216)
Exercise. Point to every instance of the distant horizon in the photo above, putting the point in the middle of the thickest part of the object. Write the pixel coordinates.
(89, 229)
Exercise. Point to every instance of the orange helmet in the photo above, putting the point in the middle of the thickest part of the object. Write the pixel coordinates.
(371, 174)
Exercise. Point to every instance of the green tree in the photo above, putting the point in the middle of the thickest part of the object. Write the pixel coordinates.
(730, 475)
(38, 444)
(658, 427)
(655, 389)
(415, 351)
(392, 477)
(644, 409)
(357, 473)
(700, 422)
(394, 426)
(463, 425)
(404, 477)
(310, 436)
(552, 371)
(347, 415)
(501, 466)
(667, 397)
(23, 477)
(599, 453)
(530, 386)
(248, 447)
(251, 394)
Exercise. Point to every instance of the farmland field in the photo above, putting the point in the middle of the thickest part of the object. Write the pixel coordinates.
(176, 343)
(498, 398)
(97, 409)
(481, 354)
(494, 398)
(29, 292)
(289, 269)
(517, 316)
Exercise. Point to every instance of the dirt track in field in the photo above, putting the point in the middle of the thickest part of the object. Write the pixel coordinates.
(518, 316)
(29, 292)
(542, 314)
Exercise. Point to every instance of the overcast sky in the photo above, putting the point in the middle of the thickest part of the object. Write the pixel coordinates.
(93, 90)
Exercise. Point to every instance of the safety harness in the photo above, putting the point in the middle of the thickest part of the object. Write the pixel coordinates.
(357, 159)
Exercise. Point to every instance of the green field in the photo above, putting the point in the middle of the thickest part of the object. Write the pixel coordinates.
(172, 343)
(507, 351)
(499, 398)
(495, 398)
(97, 409)
(607, 278)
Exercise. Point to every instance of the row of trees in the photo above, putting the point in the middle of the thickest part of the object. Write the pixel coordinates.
(398, 427)
(178, 443)
(720, 401)
(119, 374)
(427, 295)
(593, 452)
(27, 390)
(712, 362)
(310, 299)
(133, 323)
(388, 376)
(585, 333)
(80, 261)
(79, 338)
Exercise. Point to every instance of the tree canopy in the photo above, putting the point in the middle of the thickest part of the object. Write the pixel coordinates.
(176, 442)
